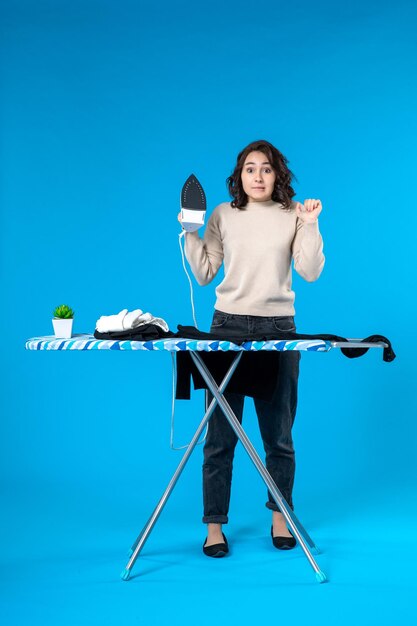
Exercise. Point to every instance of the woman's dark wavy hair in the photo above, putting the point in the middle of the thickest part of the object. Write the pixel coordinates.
(283, 192)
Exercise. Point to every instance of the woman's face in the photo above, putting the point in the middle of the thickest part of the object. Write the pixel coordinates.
(258, 177)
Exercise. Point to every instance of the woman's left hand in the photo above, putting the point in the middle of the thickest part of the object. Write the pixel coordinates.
(310, 211)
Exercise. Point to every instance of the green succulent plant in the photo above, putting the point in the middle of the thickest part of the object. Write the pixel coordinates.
(63, 311)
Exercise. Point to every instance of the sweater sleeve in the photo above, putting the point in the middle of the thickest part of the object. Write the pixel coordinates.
(205, 256)
(307, 250)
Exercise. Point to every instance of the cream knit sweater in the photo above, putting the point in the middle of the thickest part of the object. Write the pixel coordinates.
(256, 244)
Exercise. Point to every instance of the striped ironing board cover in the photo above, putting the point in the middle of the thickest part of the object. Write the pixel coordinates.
(175, 344)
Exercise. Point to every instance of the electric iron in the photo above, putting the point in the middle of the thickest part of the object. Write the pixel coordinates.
(193, 204)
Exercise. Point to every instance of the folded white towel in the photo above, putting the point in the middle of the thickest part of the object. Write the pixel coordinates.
(107, 323)
(126, 321)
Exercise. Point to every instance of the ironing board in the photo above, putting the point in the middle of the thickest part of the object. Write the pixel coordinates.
(89, 342)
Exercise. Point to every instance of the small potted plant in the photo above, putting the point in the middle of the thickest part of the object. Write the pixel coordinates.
(63, 317)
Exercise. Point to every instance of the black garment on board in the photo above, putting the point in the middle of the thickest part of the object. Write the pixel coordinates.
(191, 332)
(146, 332)
(256, 372)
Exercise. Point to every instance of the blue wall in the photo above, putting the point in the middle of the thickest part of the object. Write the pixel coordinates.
(106, 109)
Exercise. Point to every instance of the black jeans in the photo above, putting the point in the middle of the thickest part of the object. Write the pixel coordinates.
(275, 419)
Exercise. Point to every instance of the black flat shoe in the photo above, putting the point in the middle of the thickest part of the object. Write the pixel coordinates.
(283, 543)
(217, 549)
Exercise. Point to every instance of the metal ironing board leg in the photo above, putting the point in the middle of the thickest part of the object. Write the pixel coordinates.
(276, 494)
(145, 532)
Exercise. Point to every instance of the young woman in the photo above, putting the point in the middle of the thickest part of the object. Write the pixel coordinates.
(256, 235)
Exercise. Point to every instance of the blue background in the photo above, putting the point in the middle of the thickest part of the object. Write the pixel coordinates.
(106, 108)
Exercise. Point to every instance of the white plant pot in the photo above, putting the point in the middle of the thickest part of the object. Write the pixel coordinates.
(62, 328)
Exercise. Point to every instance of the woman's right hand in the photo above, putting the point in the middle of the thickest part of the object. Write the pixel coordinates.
(180, 218)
